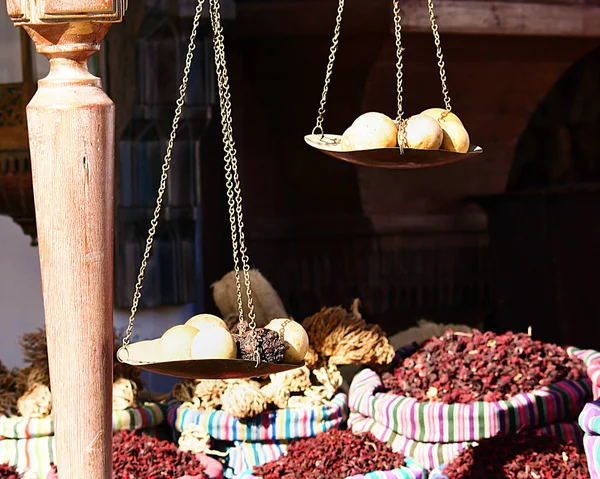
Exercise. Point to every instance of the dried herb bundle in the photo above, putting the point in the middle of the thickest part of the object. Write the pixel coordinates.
(333, 454)
(525, 456)
(462, 368)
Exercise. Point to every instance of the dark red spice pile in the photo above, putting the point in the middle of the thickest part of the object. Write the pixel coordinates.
(333, 454)
(141, 456)
(9, 472)
(462, 368)
(524, 456)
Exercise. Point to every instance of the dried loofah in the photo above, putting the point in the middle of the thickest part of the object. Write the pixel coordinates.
(295, 380)
(276, 395)
(184, 391)
(209, 392)
(8, 391)
(423, 331)
(243, 398)
(267, 303)
(345, 338)
(36, 402)
(312, 358)
(124, 394)
(311, 398)
(194, 438)
(330, 378)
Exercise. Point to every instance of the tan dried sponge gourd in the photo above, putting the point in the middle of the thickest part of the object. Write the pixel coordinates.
(343, 337)
(243, 398)
(422, 133)
(370, 131)
(456, 137)
(267, 303)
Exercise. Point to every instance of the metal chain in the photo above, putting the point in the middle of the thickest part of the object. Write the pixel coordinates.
(234, 190)
(399, 75)
(332, 52)
(438, 45)
(165, 171)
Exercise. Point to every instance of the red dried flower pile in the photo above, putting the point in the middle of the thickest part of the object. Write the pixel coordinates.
(524, 456)
(334, 454)
(137, 456)
(462, 368)
(9, 472)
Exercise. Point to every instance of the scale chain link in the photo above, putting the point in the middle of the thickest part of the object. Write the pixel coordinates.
(440, 56)
(332, 52)
(399, 75)
(235, 203)
(165, 172)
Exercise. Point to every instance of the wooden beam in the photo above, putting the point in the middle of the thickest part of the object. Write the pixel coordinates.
(316, 18)
(72, 143)
(503, 18)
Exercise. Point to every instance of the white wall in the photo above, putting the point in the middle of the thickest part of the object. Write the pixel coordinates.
(21, 306)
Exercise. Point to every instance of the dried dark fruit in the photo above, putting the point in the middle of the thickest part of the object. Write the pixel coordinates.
(270, 345)
(462, 368)
(523, 456)
(334, 454)
(9, 472)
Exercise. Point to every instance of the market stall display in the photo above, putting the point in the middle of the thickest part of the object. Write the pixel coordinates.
(259, 418)
(27, 423)
(432, 419)
(434, 137)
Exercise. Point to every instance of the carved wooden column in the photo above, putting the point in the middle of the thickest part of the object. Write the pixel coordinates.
(71, 136)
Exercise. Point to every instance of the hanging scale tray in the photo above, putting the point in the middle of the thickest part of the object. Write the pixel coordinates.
(390, 158)
(140, 355)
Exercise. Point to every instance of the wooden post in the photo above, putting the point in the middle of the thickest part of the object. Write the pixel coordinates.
(71, 137)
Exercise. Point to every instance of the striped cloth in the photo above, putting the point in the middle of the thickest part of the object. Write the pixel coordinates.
(434, 422)
(411, 471)
(276, 425)
(147, 415)
(589, 420)
(592, 361)
(33, 455)
(245, 456)
(434, 455)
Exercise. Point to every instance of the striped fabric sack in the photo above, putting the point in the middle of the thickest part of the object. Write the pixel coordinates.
(590, 423)
(148, 415)
(433, 433)
(28, 443)
(435, 455)
(33, 455)
(275, 425)
(245, 456)
(592, 360)
(411, 471)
